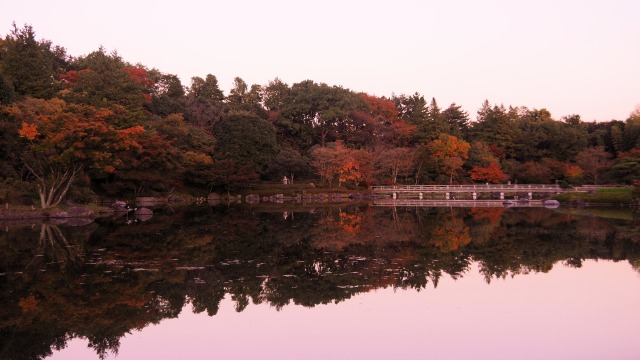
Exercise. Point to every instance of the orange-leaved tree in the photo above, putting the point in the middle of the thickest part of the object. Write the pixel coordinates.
(389, 128)
(450, 152)
(337, 161)
(349, 171)
(492, 173)
(63, 140)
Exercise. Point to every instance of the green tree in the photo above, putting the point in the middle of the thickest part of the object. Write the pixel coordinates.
(626, 169)
(601, 134)
(457, 120)
(275, 95)
(480, 155)
(319, 113)
(631, 132)
(540, 136)
(12, 177)
(167, 84)
(567, 140)
(7, 94)
(532, 136)
(30, 67)
(247, 139)
(206, 88)
(497, 127)
(617, 138)
(288, 162)
(414, 110)
(434, 124)
(168, 95)
(245, 98)
(103, 80)
(239, 92)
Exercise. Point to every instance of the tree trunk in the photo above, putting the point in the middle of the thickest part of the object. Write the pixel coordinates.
(418, 170)
(323, 136)
(54, 185)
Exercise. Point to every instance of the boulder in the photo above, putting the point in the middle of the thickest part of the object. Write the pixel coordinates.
(120, 206)
(252, 199)
(550, 203)
(143, 214)
(60, 214)
(77, 211)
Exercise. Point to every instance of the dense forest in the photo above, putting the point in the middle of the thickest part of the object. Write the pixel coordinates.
(78, 127)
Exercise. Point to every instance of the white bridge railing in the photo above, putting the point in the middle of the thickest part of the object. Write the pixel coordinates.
(467, 188)
(456, 203)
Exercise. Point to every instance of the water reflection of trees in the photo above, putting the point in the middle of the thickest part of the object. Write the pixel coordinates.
(102, 281)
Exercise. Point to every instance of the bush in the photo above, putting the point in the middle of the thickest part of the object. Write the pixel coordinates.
(12, 190)
(564, 184)
(82, 195)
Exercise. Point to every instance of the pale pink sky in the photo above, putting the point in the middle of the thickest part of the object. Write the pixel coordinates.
(569, 56)
(589, 313)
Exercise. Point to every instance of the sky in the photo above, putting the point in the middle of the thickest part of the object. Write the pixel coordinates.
(568, 56)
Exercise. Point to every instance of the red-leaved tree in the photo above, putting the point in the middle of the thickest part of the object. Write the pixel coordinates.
(63, 140)
(492, 173)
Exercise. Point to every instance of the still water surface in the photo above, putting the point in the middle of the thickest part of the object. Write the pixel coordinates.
(586, 313)
(332, 283)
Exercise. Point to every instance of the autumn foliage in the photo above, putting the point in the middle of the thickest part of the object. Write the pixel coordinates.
(450, 153)
(64, 140)
(336, 162)
(129, 129)
(492, 173)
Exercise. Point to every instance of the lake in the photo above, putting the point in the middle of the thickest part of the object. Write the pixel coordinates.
(324, 282)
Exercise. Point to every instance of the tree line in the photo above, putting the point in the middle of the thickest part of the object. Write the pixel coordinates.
(71, 127)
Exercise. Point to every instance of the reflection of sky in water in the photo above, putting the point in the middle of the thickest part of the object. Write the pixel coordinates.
(568, 313)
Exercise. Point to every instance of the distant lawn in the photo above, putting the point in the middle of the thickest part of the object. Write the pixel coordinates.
(619, 195)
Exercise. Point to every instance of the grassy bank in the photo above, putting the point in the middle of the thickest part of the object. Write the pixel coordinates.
(608, 196)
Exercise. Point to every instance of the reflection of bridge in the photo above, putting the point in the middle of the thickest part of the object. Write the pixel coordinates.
(459, 203)
(463, 191)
